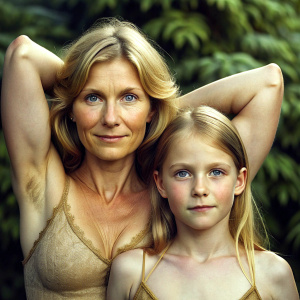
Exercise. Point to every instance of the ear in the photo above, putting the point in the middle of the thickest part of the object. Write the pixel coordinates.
(72, 117)
(240, 182)
(150, 115)
(159, 184)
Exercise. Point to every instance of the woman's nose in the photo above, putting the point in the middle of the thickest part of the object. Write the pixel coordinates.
(200, 188)
(110, 115)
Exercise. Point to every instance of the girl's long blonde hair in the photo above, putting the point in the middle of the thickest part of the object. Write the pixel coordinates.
(245, 223)
(107, 40)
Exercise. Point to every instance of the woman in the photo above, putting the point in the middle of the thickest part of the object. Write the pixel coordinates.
(207, 234)
(83, 193)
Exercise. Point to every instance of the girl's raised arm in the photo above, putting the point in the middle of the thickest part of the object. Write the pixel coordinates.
(255, 98)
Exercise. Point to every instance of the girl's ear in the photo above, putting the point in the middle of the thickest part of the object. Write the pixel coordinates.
(159, 184)
(240, 182)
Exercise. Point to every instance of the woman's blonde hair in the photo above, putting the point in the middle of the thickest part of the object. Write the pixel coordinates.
(245, 223)
(107, 40)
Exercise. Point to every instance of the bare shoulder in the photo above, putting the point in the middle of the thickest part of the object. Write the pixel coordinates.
(128, 262)
(274, 276)
(125, 275)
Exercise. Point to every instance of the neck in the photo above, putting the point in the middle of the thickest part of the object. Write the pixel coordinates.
(109, 179)
(204, 244)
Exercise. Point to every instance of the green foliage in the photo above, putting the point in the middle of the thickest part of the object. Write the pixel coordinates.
(203, 41)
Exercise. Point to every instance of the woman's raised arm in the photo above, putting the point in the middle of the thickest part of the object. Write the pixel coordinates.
(255, 98)
(29, 70)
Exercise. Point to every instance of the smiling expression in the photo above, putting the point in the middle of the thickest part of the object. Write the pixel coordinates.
(112, 110)
(200, 181)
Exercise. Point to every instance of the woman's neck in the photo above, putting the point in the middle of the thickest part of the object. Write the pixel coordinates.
(109, 179)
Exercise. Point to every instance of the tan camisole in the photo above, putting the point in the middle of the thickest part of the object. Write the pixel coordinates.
(63, 264)
(145, 293)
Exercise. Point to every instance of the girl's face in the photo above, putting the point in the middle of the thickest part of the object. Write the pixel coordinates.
(112, 110)
(200, 182)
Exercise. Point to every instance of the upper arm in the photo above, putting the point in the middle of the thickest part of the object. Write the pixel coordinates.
(125, 272)
(257, 121)
(255, 98)
(283, 282)
(274, 277)
(28, 70)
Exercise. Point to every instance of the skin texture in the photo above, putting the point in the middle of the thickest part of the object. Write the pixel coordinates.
(200, 181)
(107, 175)
(111, 111)
(200, 188)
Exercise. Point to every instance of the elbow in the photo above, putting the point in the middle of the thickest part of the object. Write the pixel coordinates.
(19, 48)
(275, 80)
(275, 75)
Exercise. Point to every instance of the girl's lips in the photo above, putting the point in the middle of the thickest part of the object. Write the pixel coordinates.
(201, 208)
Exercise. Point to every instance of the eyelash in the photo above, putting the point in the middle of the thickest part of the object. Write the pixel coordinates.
(88, 98)
(182, 171)
(220, 172)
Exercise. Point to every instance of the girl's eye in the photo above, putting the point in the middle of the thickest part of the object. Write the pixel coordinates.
(182, 174)
(129, 98)
(216, 173)
(92, 98)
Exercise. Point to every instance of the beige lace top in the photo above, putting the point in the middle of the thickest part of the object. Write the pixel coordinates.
(63, 264)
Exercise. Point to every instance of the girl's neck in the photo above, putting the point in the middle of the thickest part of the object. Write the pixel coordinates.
(109, 179)
(205, 244)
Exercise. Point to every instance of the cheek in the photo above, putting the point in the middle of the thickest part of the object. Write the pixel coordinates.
(224, 194)
(177, 196)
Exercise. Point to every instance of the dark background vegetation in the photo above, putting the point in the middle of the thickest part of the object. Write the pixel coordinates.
(203, 41)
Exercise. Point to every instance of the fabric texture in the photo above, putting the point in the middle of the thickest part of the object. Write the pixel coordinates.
(145, 293)
(63, 264)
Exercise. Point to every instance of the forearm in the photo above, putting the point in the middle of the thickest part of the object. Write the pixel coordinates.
(233, 93)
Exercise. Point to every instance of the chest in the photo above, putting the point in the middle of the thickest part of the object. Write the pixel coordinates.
(190, 280)
(110, 227)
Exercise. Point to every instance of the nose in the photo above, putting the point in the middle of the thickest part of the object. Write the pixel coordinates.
(200, 187)
(110, 114)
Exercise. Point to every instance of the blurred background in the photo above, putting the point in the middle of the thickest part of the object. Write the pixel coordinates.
(202, 41)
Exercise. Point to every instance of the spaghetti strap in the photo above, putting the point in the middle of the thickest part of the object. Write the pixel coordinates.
(163, 253)
(143, 272)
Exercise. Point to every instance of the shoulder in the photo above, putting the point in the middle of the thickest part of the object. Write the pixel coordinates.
(275, 274)
(128, 262)
(125, 274)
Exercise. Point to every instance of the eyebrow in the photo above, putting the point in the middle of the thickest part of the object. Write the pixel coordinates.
(99, 92)
(210, 166)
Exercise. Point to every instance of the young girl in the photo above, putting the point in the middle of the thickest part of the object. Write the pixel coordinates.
(207, 239)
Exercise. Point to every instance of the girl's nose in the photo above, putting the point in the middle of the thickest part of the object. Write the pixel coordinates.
(200, 188)
(110, 115)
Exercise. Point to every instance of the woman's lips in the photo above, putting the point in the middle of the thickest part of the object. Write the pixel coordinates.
(110, 138)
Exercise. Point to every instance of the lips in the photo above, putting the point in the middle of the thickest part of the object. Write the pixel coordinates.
(110, 138)
(201, 208)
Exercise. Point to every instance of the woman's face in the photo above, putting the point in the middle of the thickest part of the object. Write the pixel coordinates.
(112, 110)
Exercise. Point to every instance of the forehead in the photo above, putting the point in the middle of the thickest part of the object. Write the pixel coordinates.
(195, 147)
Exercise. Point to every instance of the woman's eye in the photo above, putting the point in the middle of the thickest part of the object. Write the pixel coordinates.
(216, 173)
(92, 98)
(182, 174)
(129, 98)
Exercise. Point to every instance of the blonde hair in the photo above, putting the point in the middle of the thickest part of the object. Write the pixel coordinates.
(107, 40)
(245, 223)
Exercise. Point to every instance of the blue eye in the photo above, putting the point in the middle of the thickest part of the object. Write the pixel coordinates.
(129, 98)
(92, 98)
(216, 173)
(182, 174)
